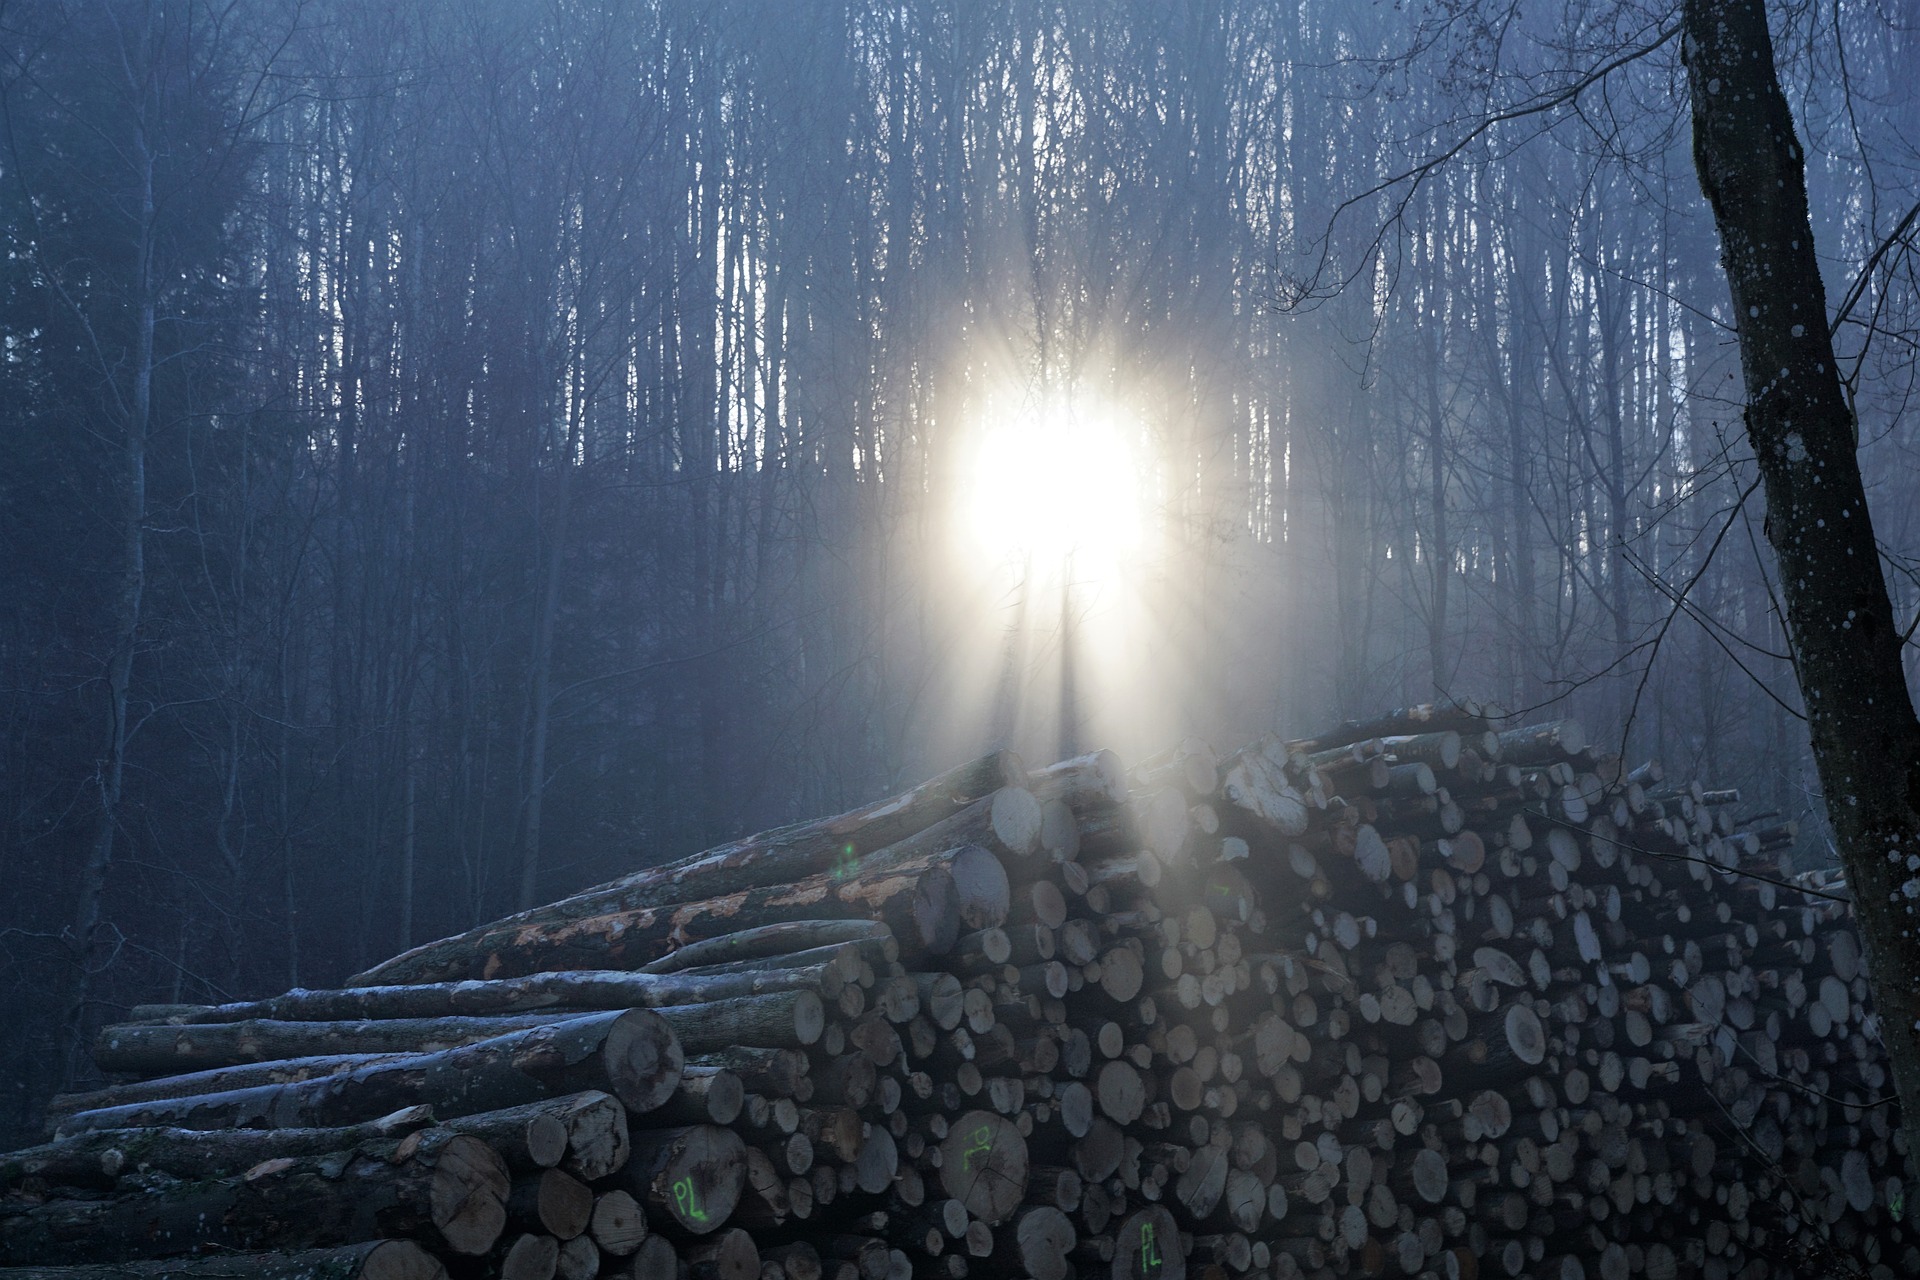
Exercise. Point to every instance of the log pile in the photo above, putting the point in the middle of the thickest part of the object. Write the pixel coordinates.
(1417, 997)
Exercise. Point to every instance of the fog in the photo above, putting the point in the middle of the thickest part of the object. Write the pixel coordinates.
(569, 433)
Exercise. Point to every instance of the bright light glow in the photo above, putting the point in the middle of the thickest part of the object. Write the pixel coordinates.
(1058, 484)
(1066, 612)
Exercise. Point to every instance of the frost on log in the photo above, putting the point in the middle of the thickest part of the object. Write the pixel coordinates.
(1426, 995)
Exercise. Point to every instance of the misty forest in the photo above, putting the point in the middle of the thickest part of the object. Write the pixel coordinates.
(456, 453)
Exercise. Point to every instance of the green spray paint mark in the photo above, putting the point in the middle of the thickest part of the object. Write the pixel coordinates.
(1897, 1203)
(846, 862)
(689, 1200)
(1149, 1249)
(982, 1144)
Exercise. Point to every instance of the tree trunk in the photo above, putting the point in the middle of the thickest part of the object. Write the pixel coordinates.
(1846, 646)
(129, 595)
(539, 693)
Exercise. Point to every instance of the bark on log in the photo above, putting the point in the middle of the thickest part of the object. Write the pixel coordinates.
(447, 1186)
(1086, 781)
(788, 1020)
(583, 1133)
(1465, 717)
(369, 1260)
(777, 1073)
(239, 1055)
(785, 938)
(707, 1095)
(632, 1055)
(1189, 764)
(227, 1079)
(98, 1159)
(782, 856)
(918, 899)
(1254, 785)
(564, 990)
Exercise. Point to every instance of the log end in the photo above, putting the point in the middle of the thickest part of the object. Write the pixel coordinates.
(399, 1260)
(469, 1194)
(643, 1059)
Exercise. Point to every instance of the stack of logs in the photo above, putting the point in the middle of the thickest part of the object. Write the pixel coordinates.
(1416, 997)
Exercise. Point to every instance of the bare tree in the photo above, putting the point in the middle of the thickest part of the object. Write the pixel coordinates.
(1840, 624)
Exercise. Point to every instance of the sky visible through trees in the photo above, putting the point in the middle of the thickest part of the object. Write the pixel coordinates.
(453, 452)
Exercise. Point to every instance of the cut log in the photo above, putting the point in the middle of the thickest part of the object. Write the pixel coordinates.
(655, 1260)
(731, 1255)
(579, 1259)
(1039, 1246)
(565, 990)
(777, 1073)
(688, 1178)
(551, 1201)
(917, 899)
(1542, 743)
(1189, 764)
(98, 1159)
(1464, 717)
(1415, 1038)
(531, 1257)
(618, 1225)
(1204, 1181)
(446, 1186)
(940, 998)
(239, 1055)
(800, 1260)
(787, 1020)
(369, 1260)
(1094, 779)
(707, 1095)
(1148, 1246)
(228, 1079)
(983, 1165)
(1437, 750)
(632, 1055)
(583, 1133)
(781, 939)
(1120, 1091)
(1254, 784)
(782, 856)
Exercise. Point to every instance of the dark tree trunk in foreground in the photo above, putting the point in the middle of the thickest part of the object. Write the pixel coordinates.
(1866, 741)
